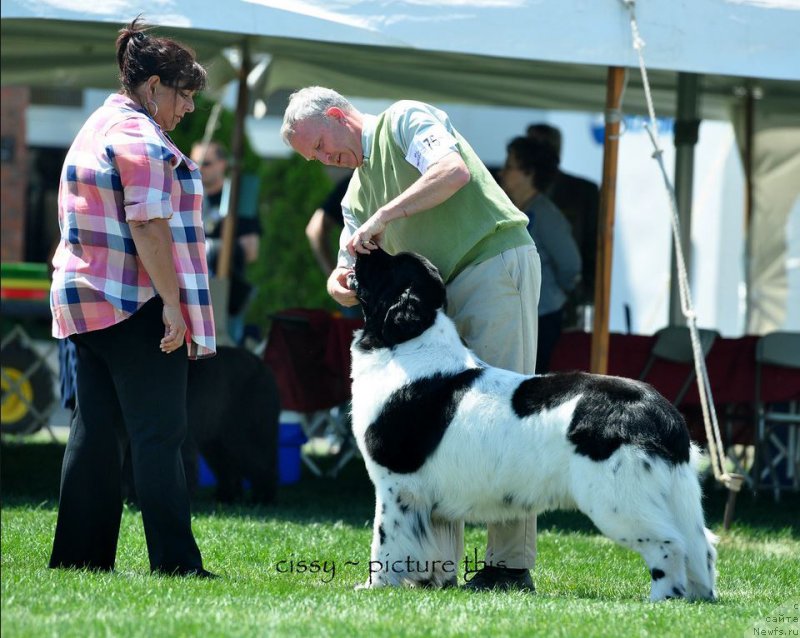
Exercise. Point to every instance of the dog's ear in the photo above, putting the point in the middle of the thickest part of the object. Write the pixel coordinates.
(423, 293)
(407, 318)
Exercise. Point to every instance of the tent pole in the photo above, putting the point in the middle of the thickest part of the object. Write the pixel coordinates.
(749, 133)
(687, 125)
(237, 151)
(605, 235)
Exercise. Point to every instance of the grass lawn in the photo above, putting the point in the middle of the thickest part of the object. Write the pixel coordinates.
(586, 586)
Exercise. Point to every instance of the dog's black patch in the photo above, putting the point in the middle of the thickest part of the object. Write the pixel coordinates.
(418, 527)
(414, 419)
(657, 574)
(611, 412)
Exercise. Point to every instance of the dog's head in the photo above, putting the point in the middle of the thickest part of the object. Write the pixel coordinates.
(399, 295)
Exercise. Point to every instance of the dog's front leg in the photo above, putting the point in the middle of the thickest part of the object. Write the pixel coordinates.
(405, 549)
(378, 576)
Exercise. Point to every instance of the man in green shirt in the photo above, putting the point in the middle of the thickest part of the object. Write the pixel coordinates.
(418, 186)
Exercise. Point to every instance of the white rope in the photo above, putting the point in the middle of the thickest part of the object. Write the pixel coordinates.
(715, 446)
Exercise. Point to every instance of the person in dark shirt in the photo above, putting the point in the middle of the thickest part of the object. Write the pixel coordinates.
(579, 200)
(326, 221)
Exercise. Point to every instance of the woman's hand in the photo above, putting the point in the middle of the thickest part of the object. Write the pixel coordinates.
(174, 329)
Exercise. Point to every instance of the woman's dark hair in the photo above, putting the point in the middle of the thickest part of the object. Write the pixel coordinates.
(140, 55)
(536, 158)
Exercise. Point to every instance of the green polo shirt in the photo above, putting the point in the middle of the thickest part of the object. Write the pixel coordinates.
(475, 224)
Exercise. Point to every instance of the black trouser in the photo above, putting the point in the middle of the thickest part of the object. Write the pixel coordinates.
(128, 391)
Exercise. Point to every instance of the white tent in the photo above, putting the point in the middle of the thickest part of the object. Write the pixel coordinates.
(536, 53)
(545, 53)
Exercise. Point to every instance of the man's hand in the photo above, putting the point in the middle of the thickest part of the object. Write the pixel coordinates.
(368, 235)
(338, 288)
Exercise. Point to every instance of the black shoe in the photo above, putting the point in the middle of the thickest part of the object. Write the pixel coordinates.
(500, 578)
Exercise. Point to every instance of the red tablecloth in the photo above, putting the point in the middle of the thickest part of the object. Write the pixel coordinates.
(731, 368)
(308, 350)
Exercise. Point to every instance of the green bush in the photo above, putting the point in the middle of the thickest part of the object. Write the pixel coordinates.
(286, 273)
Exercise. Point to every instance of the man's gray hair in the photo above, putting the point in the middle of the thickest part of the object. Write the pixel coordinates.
(310, 103)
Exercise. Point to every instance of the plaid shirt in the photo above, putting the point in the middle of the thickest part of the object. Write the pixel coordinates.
(123, 168)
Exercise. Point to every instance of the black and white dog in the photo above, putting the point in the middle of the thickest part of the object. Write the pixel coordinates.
(446, 437)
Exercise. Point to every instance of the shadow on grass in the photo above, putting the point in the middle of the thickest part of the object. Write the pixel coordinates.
(30, 474)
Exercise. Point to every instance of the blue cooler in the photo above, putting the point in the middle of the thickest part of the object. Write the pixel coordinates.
(290, 439)
(205, 477)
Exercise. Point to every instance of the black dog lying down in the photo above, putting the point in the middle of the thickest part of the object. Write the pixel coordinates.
(234, 409)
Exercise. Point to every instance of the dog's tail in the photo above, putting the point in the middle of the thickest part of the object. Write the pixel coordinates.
(686, 505)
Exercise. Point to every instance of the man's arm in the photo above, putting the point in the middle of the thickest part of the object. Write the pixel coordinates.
(438, 184)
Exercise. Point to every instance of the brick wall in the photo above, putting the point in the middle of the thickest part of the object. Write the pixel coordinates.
(13, 172)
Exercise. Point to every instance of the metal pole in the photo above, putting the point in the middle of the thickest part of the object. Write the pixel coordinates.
(686, 132)
(749, 138)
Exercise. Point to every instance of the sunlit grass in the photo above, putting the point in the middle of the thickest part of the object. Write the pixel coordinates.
(586, 585)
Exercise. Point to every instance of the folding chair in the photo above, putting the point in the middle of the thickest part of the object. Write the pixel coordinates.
(308, 351)
(673, 344)
(777, 454)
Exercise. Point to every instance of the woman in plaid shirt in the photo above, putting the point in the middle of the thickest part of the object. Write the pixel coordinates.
(130, 288)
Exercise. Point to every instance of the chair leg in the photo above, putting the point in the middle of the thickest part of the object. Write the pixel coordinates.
(758, 454)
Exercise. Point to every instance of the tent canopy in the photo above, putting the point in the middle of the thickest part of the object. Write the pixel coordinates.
(545, 54)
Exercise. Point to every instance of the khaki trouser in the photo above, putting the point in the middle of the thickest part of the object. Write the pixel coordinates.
(494, 306)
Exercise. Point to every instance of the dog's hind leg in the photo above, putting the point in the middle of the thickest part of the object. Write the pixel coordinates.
(660, 546)
(685, 505)
(702, 574)
(629, 498)
(666, 559)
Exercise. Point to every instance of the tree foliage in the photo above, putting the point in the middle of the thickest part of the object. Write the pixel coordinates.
(286, 273)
